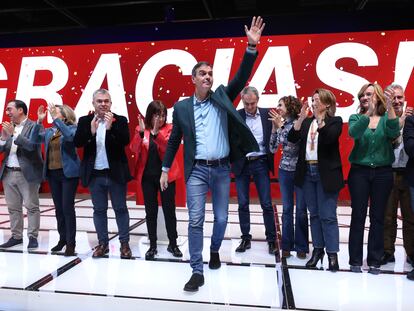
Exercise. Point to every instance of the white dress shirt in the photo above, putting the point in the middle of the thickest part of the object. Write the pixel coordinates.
(101, 161)
(12, 160)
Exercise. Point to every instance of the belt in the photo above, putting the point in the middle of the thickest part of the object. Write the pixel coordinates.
(14, 168)
(217, 162)
(312, 162)
(370, 167)
(254, 158)
(103, 172)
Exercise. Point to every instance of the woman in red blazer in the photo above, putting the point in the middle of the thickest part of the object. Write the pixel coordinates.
(149, 144)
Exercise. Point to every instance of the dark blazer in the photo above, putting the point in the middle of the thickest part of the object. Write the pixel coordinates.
(238, 165)
(116, 139)
(408, 139)
(329, 159)
(28, 153)
(241, 139)
(70, 159)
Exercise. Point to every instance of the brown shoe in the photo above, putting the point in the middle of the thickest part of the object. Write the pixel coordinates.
(125, 250)
(301, 255)
(70, 250)
(100, 251)
(286, 254)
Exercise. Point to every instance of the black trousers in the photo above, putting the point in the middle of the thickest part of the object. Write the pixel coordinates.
(373, 184)
(63, 194)
(400, 196)
(150, 188)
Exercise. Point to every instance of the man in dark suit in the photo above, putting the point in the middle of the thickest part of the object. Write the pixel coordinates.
(214, 135)
(21, 173)
(104, 168)
(256, 164)
(408, 140)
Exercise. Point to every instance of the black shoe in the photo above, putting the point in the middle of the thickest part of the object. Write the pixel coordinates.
(58, 247)
(70, 250)
(32, 243)
(317, 254)
(151, 252)
(374, 270)
(410, 275)
(386, 258)
(11, 242)
(244, 244)
(194, 283)
(355, 269)
(272, 248)
(214, 262)
(333, 262)
(175, 251)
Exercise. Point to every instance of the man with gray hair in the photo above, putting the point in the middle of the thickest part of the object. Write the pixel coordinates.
(103, 136)
(400, 193)
(255, 164)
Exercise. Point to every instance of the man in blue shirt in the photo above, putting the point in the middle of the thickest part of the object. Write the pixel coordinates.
(214, 135)
(255, 164)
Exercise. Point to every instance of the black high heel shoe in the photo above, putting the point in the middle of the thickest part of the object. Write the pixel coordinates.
(333, 262)
(317, 254)
(58, 247)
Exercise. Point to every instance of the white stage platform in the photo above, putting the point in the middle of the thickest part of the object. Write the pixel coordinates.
(253, 280)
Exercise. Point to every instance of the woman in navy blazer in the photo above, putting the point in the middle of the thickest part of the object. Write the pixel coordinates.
(61, 169)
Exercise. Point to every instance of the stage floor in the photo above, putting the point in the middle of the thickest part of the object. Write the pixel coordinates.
(254, 280)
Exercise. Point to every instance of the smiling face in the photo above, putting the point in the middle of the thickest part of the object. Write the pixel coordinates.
(367, 97)
(250, 102)
(203, 79)
(16, 115)
(102, 104)
(398, 101)
(281, 109)
(161, 119)
(317, 105)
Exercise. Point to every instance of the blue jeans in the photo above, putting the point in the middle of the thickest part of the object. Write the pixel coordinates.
(100, 186)
(293, 238)
(373, 184)
(322, 211)
(202, 179)
(260, 172)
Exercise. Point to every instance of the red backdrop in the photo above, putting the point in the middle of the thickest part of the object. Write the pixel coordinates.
(137, 72)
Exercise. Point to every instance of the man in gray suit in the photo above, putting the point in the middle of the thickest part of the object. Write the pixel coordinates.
(21, 173)
(214, 135)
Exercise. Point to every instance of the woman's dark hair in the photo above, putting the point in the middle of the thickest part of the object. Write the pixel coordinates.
(156, 107)
(293, 105)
